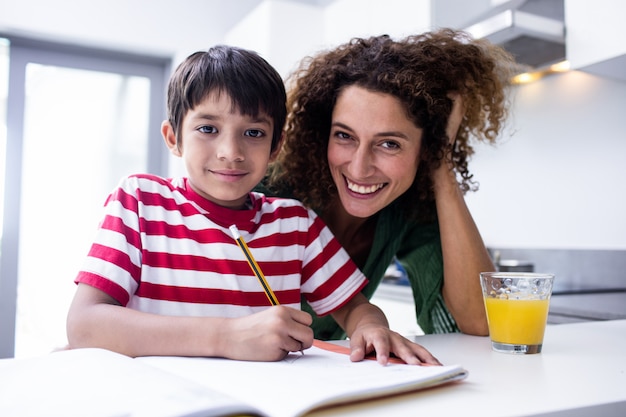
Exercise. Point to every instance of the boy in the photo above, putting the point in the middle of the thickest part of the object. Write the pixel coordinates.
(165, 276)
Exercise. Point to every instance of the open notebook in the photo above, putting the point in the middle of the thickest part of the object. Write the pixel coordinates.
(97, 382)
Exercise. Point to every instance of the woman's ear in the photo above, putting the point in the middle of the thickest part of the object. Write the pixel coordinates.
(170, 138)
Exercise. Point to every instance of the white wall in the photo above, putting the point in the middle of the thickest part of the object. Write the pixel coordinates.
(163, 27)
(557, 178)
(605, 40)
(286, 30)
(280, 30)
(345, 19)
(556, 182)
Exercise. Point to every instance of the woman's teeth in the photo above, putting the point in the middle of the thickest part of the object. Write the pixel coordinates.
(361, 189)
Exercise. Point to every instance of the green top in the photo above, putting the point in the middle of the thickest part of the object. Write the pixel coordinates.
(418, 248)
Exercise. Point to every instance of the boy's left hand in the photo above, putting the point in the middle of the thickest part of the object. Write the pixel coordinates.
(383, 342)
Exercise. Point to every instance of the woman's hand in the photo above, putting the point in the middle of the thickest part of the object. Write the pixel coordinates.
(384, 342)
(456, 116)
(368, 330)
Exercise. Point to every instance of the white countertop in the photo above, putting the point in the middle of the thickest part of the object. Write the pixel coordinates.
(581, 372)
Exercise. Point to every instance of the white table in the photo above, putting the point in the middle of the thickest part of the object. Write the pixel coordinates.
(581, 372)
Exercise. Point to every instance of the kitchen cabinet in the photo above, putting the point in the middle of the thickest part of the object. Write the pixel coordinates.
(595, 34)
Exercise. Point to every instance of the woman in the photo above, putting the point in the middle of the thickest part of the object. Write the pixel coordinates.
(377, 142)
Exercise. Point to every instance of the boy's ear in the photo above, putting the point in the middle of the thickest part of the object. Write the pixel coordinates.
(170, 138)
(276, 150)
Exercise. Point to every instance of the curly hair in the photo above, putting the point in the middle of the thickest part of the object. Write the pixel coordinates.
(421, 71)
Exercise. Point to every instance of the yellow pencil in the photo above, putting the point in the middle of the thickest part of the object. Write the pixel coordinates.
(254, 266)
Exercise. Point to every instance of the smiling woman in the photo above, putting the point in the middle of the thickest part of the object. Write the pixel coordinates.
(377, 142)
(373, 150)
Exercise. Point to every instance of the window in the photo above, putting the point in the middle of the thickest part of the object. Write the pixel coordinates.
(77, 120)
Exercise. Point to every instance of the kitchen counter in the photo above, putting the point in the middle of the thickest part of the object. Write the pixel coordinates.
(581, 372)
(565, 307)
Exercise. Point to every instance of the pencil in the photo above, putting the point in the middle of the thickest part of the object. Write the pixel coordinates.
(254, 266)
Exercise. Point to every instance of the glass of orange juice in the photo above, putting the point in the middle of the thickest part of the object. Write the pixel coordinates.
(517, 306)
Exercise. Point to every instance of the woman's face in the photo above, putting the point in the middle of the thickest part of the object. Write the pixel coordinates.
(373, 150)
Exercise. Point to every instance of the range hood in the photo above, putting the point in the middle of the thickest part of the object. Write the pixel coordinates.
(532, 30)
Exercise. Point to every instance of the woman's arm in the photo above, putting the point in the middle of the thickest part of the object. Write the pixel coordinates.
(97, 320)
(464, 252)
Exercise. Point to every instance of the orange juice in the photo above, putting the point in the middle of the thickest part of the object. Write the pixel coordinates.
(517, 322)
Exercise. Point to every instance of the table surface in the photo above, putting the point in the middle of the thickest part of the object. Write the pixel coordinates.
(581, 372)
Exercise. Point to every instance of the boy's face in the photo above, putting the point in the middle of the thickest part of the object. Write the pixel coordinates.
(225, 153)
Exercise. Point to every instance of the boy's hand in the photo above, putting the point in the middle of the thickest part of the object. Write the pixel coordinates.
(268, 335)
(384, 342)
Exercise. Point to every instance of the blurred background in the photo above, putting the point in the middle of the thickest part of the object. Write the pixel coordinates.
(82, 98)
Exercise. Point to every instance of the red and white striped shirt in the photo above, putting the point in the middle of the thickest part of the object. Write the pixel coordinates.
(162, 248)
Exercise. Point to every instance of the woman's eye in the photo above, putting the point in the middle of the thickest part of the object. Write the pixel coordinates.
(207, 129)
(389, 144)
(342, 135)
(255, 133)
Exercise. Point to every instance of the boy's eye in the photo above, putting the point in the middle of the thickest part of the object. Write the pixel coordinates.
(207, 129)
(255, 133)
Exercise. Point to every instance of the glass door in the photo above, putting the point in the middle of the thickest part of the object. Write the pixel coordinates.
(77, 122)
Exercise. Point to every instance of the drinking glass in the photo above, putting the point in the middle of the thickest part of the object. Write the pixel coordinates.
(517, 305)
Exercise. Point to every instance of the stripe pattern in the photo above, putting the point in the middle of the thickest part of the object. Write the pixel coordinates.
(164, 249)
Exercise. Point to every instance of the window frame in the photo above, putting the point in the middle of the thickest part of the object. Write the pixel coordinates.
(22, 51)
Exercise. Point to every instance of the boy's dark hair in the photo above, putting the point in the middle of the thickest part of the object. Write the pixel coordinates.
(250, 81)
